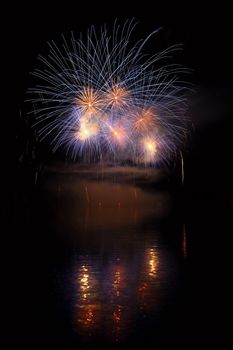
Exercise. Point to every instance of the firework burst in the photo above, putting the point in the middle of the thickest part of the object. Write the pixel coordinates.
(100, 96)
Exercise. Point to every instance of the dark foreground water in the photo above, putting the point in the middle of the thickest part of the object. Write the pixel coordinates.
(104, 262)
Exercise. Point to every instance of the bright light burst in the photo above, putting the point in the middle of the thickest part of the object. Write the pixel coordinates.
(101, 97)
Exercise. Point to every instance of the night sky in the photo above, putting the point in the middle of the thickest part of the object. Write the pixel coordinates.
(206, 34)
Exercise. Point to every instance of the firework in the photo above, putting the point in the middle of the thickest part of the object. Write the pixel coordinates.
(100, 97)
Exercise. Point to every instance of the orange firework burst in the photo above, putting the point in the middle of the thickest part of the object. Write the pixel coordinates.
(89, 101)
(145, 120)
(118, 134)
(117, 96)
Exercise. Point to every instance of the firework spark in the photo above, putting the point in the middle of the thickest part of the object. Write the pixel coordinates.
(102, 97)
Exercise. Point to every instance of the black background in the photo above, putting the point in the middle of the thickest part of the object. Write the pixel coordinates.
(204, 30)
(207, 200)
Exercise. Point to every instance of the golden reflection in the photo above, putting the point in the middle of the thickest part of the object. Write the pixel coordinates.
(89, 317)
(147, 285)
(110, 297)
(153, 262)
(87, 306)
(117, 295)
(117, 318)
(84, 282)
(117, 314)
(117, 282)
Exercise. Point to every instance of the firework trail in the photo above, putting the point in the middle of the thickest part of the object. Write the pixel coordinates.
(101, 97)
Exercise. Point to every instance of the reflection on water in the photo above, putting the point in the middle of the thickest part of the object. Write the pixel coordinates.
(122, 272)
(87, 307)
(106, 203)
(110, 296)
(153, 262)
